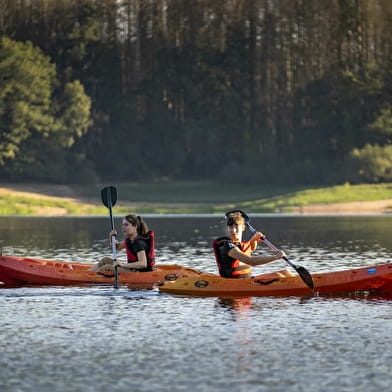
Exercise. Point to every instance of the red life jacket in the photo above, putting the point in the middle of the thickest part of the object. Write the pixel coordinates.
(236, 269)
(132, 257)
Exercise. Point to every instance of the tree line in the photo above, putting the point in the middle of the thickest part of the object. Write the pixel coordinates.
(247, 91)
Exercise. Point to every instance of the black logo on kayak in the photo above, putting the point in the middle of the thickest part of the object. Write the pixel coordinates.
(266, 281)
(201, 284)
(106, 275)
(171, 277)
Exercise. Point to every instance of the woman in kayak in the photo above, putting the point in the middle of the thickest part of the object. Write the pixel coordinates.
(138, 243)
(233, 255)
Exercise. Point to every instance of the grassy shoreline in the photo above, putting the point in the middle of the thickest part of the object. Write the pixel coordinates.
(182, 197)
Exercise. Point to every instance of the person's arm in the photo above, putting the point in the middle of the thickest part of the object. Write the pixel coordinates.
(256, 237)
(140, 264)
(237, 254)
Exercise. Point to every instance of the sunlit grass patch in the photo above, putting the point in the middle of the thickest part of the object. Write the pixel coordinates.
(328, 195)
(193, 197)
(24, 205)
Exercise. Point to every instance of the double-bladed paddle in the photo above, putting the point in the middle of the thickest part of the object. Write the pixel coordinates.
(109, 198)
(302, 272)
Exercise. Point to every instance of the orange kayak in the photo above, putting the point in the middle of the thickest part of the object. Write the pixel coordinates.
(25, 271)
(377, 279)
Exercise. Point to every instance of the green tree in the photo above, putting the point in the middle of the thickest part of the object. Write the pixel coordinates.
(26, 81)
(373, 163)
(282, 90)
(382, 126)
(38, 116)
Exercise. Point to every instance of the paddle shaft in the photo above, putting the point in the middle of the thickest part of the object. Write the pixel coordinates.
(109, 198)
(113, 241)
(303, 273)
(269, 244)
(276, 250)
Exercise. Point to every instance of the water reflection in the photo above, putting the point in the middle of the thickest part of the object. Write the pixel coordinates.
(238, 307)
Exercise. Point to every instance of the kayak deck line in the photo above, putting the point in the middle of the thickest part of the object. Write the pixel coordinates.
(29, 271)
(377, 278)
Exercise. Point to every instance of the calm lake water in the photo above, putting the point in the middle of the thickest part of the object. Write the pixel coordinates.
(100, 339)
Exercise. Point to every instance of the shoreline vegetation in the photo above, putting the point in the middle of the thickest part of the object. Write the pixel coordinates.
(194, 198)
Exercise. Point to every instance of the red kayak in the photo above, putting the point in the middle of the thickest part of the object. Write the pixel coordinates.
(377, 279)
(28, 271)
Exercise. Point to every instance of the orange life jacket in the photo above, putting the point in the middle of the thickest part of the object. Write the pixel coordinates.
(231, 268)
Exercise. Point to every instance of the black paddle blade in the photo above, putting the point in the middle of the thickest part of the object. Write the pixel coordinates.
(305, 276)
(109, 196)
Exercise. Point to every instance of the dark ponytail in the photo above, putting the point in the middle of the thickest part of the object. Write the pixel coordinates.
(137, 221)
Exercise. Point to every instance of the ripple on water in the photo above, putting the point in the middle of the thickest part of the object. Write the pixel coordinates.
(65, 339)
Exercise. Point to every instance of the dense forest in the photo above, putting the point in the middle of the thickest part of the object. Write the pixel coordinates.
(246, 91)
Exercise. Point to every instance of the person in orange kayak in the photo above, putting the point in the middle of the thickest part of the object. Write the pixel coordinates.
(233, 255)
(138, 243)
